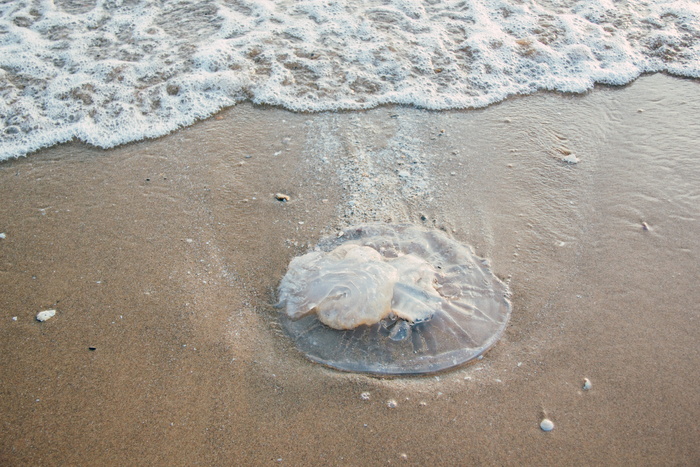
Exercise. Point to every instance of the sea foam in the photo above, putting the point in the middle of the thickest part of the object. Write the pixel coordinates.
(112, 71)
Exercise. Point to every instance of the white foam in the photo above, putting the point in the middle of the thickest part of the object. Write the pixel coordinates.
(111, 71)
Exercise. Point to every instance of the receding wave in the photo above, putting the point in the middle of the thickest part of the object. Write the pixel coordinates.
(112, 71)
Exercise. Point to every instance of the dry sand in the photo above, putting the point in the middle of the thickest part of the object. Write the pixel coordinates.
(164, 257)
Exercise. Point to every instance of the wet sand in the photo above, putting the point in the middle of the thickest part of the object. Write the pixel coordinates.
(164, 257)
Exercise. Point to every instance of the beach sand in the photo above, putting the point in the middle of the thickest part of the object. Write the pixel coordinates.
(162, 259)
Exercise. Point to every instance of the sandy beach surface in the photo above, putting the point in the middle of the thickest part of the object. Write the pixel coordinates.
(162, 260)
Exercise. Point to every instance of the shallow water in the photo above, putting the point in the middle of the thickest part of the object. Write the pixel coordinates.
(109, 72)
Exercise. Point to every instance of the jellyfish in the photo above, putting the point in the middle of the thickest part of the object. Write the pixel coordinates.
(392, 300)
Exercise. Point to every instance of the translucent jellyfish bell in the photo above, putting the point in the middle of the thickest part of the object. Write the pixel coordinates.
(392, 299)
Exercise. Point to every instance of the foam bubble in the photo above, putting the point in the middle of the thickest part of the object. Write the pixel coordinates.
(110, 71)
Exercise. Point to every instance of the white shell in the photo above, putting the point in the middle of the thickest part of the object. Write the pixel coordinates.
(547, 425)
(586, 384)
(44, 315)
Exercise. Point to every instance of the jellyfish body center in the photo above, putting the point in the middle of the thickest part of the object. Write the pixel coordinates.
(355, 285)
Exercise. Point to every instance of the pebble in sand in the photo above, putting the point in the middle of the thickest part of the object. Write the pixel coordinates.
(547, 425)
(45, 315)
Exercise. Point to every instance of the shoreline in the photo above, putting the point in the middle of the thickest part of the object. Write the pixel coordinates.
(386, 106)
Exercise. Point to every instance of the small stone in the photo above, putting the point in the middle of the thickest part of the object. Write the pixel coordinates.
(3, 235)
(570, 159)
(547, 425)
(453, 173)
(92, 348)
(404, 174)
(364, 396)
(391, 404)
(645, 226)
(586, 384)
(282, 197)
(14, 318)
(44, 315)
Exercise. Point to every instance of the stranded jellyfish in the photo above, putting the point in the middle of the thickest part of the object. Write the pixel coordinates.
(392, 299)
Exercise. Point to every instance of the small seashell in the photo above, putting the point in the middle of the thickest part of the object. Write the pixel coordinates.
(547, 425)
(44, 315)
(391, 404)
(364, 396)
(586, 384)
(570, 159)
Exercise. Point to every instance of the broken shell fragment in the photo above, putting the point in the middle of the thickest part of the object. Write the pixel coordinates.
(586, 384)
(45, 315)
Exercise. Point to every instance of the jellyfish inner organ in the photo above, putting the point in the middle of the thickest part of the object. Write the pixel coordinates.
(355, 285)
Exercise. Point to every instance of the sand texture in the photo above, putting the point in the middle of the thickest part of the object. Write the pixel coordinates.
(162, 260)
